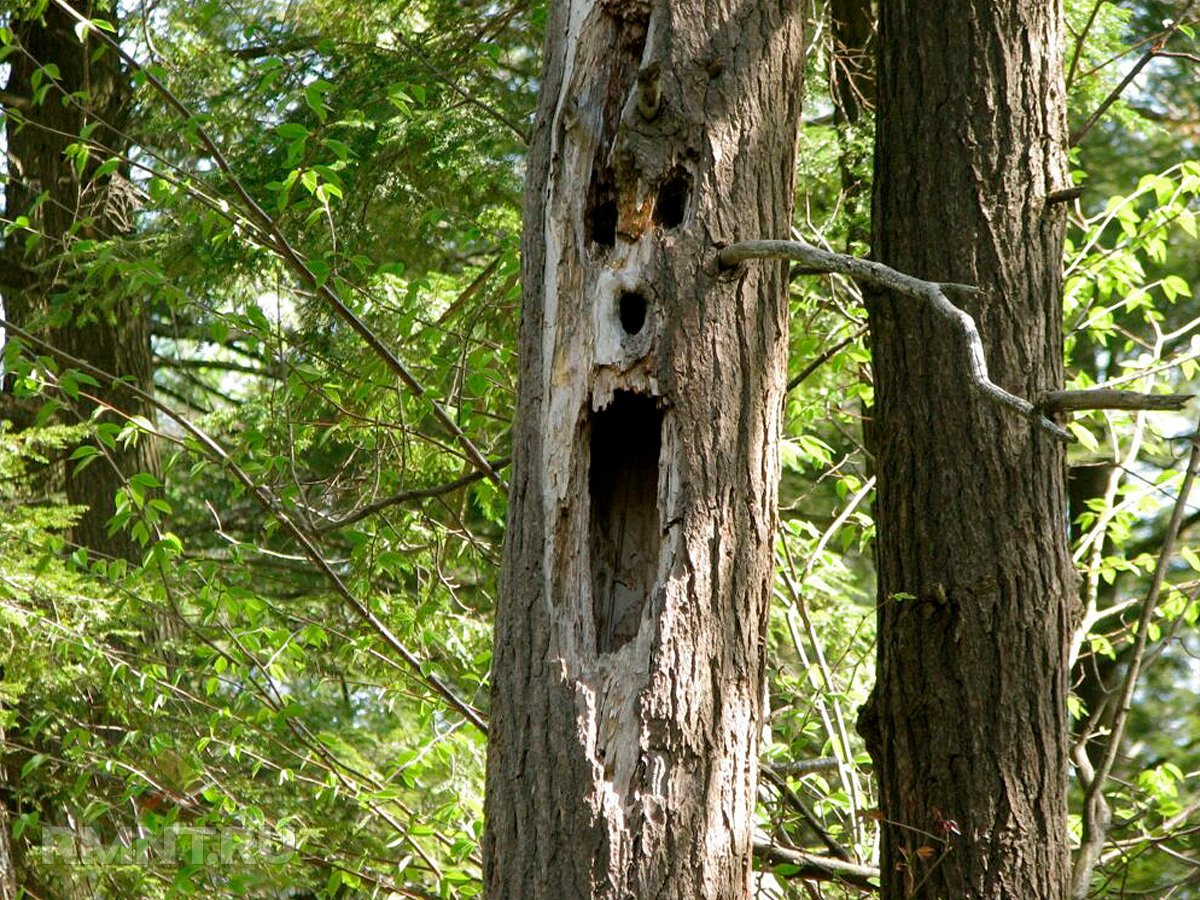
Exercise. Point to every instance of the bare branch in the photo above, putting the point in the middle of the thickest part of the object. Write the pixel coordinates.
(797, 767)
(793, 800)
(824, 357)
(1066, 195)
(817, 868)
(408, 496)
(938, 296)
(1106, 398)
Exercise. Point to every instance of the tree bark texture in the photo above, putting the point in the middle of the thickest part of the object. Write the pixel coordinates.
(95, 320)
(628, 673)
(967, 723)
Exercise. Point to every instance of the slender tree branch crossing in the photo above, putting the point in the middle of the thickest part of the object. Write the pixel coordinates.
(937, 295)
(940, 297)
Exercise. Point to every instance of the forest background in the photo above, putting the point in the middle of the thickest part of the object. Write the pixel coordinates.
(246, 592)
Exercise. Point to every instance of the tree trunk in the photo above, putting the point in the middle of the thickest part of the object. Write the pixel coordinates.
(967, 722)
(44, 291)
(628, 675)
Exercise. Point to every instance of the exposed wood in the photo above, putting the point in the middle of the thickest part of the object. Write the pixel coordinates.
(628, 672)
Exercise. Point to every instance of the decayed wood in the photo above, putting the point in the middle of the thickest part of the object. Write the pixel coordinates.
(627, 685)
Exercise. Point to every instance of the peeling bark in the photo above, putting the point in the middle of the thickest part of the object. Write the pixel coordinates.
(628, 672)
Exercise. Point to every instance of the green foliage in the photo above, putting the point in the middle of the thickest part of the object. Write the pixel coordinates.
(255, 703)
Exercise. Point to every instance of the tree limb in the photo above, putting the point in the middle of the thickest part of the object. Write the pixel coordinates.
(939, 296)
(1106, 398)
(817, 868)
(436, 490)
(793, 800)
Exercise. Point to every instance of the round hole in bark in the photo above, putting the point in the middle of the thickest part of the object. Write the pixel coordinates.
(671, 205)
(632, 309)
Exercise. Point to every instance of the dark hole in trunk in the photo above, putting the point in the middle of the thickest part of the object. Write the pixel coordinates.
(601, 222)
(624, 528)
(632, 309)
(671, 205)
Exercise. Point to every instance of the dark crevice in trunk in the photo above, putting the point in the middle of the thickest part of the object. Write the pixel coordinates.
(624, 535)
(670, 208)
(631, 307)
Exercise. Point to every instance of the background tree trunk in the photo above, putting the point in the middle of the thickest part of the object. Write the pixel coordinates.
(42, 291)
(628, 672)
(967, 723)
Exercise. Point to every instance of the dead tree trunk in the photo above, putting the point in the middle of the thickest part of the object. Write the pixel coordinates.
(628, 672)
(967, 723)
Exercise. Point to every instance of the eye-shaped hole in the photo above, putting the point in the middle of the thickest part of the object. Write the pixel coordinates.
(631, 307)
(671, 205)
(603, 222)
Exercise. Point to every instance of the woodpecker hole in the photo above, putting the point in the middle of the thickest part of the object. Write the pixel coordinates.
(632, 309)
(624, 527)
(671, 205)
(600, 223)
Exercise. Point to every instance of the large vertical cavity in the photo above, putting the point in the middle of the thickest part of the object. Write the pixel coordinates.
(624, 531)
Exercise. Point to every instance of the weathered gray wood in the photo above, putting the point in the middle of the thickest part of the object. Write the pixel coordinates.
(628, 673)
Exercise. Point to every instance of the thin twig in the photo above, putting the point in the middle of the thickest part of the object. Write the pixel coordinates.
(292, 258)
(793, 800)
(936, 295)
(1097, 817)
(1079, 40)
(272, 505)
(1156, 49)
(824, 358)
(408, 496)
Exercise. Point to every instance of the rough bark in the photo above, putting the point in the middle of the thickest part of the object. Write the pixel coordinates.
(628, 672)
(967, 723)
(65, 203)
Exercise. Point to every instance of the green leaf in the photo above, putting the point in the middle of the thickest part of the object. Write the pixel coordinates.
(1174, 286)
(1084, 435)
(291, 131)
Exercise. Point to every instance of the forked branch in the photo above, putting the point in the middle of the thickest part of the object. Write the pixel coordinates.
(936, 295)
(940, 297)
